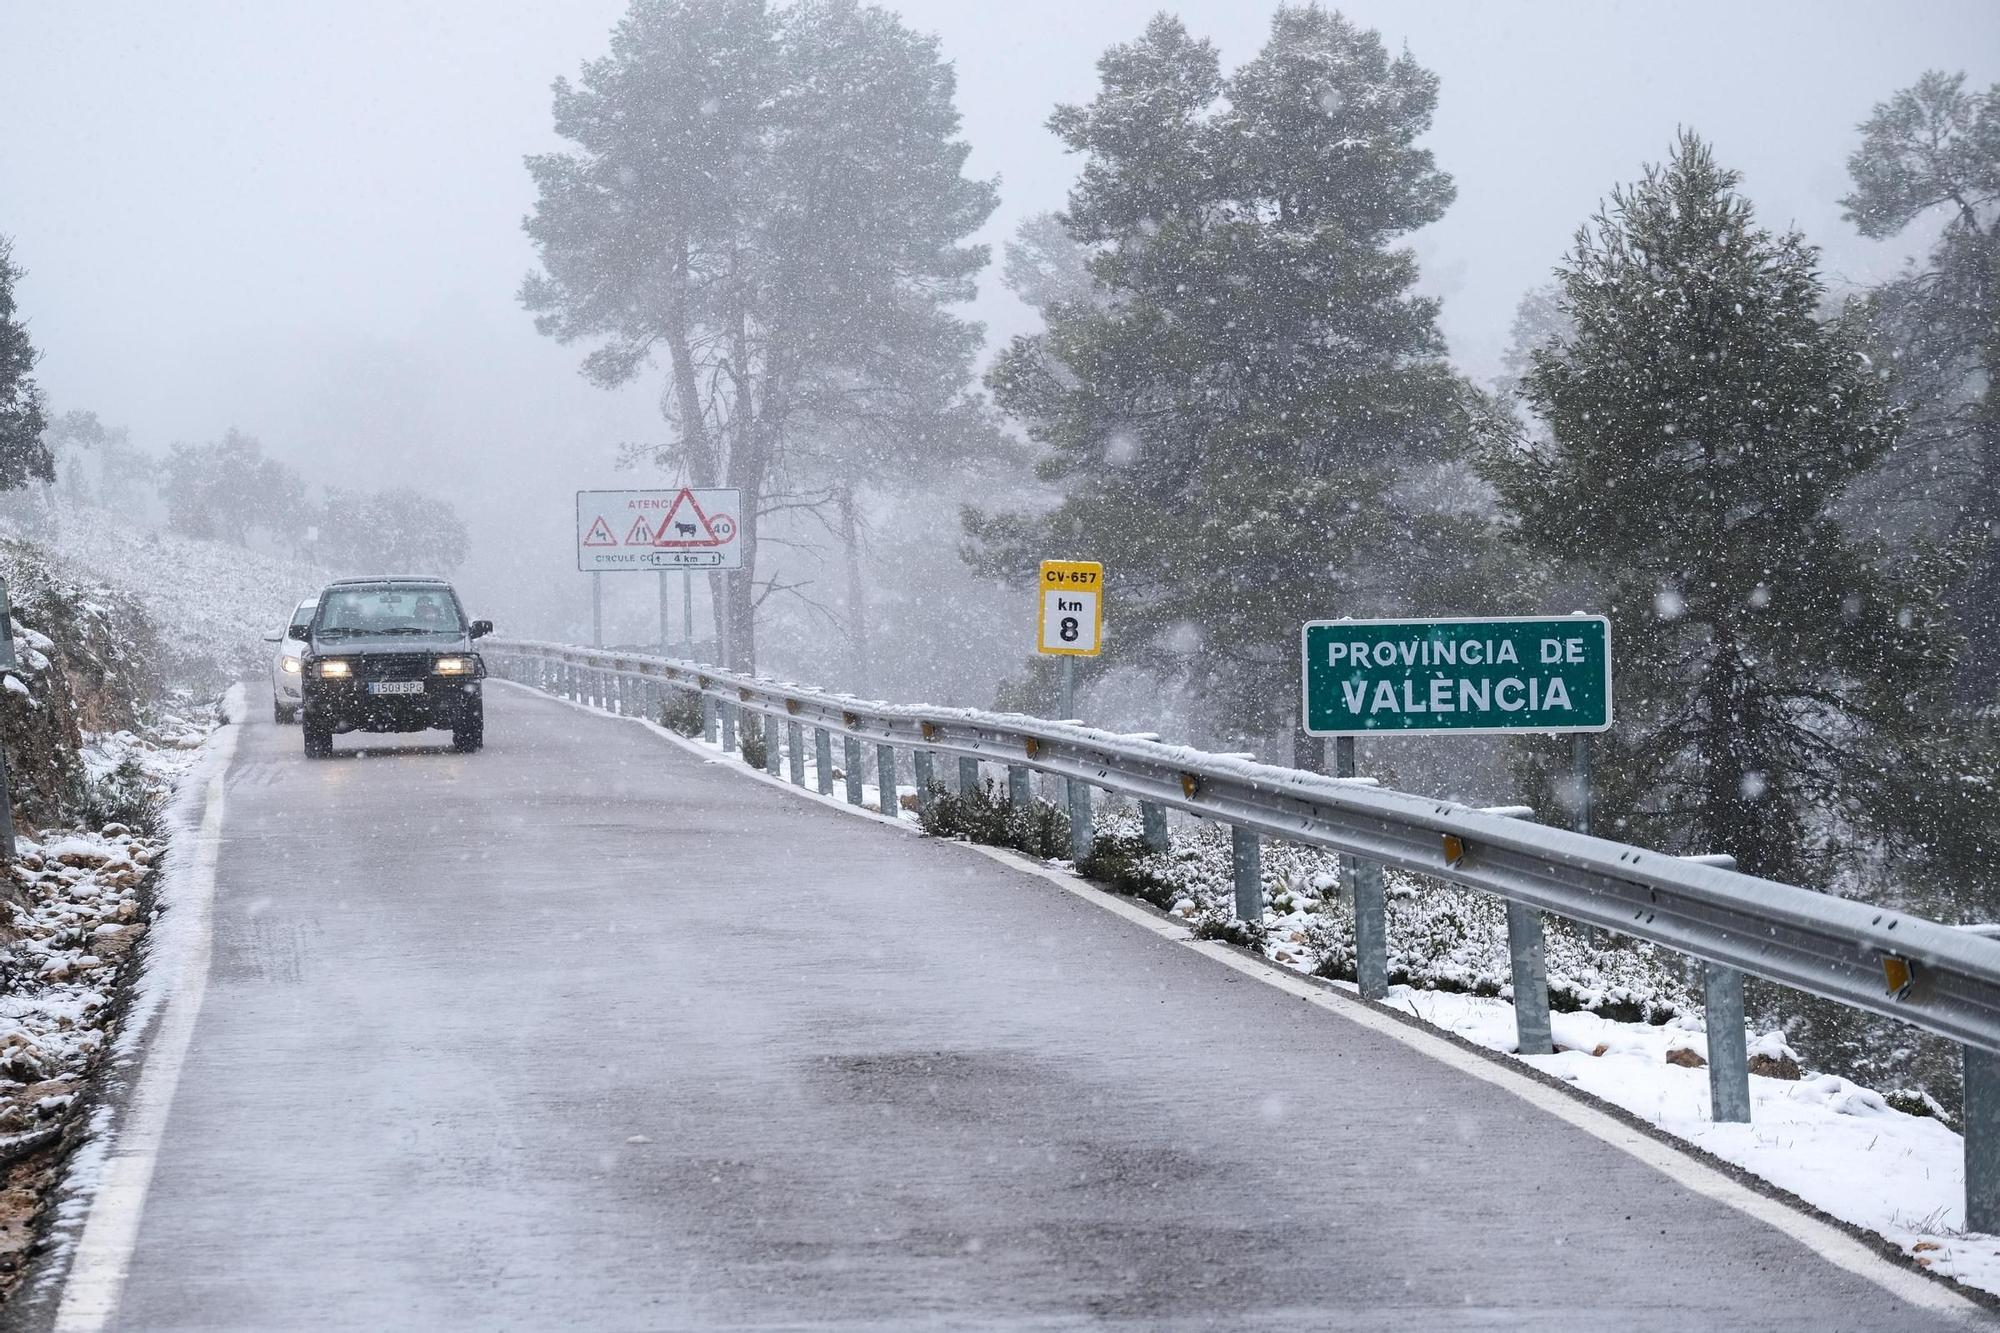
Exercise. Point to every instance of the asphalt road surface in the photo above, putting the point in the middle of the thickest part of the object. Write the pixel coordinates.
(588, 1032)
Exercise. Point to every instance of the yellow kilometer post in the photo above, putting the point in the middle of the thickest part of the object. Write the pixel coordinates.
(1070, 624)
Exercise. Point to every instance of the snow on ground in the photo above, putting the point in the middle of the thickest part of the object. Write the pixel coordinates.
(86, 914)
(83, 915)
(1836, 1145)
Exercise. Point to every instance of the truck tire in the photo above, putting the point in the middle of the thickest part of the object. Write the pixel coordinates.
(319, 740)
(470, 733)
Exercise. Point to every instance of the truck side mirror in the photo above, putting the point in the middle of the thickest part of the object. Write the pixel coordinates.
(301, 631)
(480, 629)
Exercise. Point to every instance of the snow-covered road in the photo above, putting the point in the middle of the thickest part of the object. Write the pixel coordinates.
(589, 1032)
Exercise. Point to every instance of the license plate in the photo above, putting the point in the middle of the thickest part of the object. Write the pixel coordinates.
(395, 687)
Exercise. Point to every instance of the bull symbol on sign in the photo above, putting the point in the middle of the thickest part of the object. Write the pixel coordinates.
(685, 529)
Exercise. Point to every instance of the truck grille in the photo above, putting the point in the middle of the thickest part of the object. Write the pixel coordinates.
(393, 666)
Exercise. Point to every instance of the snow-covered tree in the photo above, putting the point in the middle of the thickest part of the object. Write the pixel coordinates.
(24, 457)
(1234, 418)
(771, 199)
(396, 531)
(1044, 265)
(97, 464)
(225, 490)
(1933, 152)
(1703, 422)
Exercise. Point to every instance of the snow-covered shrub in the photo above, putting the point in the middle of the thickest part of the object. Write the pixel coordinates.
(751, 742)
(985, 816)
(680, 711)
(124, 794)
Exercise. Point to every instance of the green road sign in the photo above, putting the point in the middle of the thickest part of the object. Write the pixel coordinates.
(1502, 673)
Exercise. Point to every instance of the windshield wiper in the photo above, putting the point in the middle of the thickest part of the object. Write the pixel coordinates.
(418, 629)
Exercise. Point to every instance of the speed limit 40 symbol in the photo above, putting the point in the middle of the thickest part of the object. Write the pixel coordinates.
(1071, 622)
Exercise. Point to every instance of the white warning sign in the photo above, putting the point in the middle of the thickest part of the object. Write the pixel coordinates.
(688, 528)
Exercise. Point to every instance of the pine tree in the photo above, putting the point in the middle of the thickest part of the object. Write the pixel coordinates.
(24, 456)
(1934, 150)
(1703, 423)
(1237, 418)
(770, 199)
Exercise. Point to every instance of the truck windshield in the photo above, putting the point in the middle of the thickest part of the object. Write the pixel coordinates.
(396, 609)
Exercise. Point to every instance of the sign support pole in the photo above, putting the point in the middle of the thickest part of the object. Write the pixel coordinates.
(1067, 704)
(596, 609)
(1579, 764)
(687, 608)
(666, 625)
(1343, 767)
(1370, 897)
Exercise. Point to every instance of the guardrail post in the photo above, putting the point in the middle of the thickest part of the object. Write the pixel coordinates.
(1982, 1140)
(1527, 952)
(1020, 787)
(968, 776)
(728, 712)
(1246, 862)
(710, 719)
(823, 760)
(774, 749)
(1728, 1055)
(1371, 931)
(1079, 819)
(1153, 826)
(885, 779)
(850, 750)
(795, 745)
(920, 760)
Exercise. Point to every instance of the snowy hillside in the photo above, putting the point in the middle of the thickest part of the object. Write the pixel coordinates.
(210, 602)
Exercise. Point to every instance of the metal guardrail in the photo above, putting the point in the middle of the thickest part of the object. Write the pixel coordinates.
(1936, 977)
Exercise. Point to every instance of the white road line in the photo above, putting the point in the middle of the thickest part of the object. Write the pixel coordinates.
(1829, 1242)
(176, 978)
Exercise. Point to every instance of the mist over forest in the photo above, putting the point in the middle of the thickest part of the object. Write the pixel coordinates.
(1311, 313)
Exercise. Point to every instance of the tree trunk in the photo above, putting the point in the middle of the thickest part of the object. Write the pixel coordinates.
(860, 667)
(1978, 600)
(747, 471)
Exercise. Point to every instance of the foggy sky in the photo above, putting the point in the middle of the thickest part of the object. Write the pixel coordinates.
(303, 219)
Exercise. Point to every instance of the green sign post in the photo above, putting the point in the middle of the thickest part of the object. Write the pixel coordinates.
(1471, 676)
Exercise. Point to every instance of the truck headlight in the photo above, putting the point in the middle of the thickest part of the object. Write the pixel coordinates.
(454, 666)
(335, 670)
(292, 666)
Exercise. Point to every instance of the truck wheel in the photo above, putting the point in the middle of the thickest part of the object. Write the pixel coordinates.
(319, 740)
(283, 715)
(470, 733)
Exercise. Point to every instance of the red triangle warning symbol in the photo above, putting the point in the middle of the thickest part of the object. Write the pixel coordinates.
(641, 534)
(687, 526)
(599, 534)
